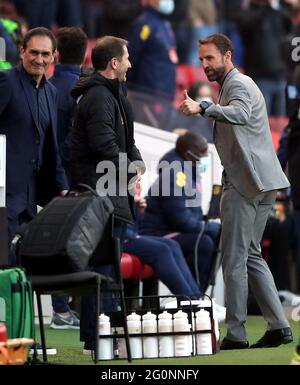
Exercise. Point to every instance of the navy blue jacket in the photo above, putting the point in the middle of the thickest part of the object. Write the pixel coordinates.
(18, 121)
(171, 213)
(152, 52)
(64, 79)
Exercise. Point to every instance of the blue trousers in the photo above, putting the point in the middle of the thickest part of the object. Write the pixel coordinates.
(167, 259)
(60, 304)
(274, 94)
(201, 260)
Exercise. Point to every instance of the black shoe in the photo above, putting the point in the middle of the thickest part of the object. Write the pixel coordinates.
(273, 338)
(227, 344)
(89, 347)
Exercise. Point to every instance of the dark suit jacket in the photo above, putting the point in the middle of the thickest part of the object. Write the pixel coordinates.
(64, 79)
(18, 121)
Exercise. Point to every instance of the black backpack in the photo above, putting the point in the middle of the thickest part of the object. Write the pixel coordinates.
(64, 235)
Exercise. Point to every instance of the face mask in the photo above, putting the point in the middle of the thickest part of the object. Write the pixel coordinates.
(274, 4)
(166, 7)
(203, 165)
(202, 99)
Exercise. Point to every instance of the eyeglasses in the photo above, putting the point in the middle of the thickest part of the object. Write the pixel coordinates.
(197, 156)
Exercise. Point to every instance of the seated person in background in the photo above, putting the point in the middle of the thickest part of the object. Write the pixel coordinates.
(277, 242)
(174, 206)
(277, 246)
(200, 91)
(165, 256)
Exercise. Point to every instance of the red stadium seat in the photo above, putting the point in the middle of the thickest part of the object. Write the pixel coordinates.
(133, 268)
(135, 273)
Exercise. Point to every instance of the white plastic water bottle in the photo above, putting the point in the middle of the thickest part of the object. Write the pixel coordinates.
(203, 340)
(150, 344)
(166, 343)
(122, 352)
(207, 303)
(183, 346)
(105, 343)
(135, 327)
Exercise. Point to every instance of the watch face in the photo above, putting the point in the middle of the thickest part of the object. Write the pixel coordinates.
(204, 104)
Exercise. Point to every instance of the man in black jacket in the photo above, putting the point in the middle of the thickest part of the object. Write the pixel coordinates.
(103, 129)
(262, 29)
(102, 140)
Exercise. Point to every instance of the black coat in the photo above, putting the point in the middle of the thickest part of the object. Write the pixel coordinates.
(293, 148)
(262, 29)
(103, 129)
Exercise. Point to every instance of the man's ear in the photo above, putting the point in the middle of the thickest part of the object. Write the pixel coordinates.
(22, 50)
(114, 63)
(56, 56)
(53, 56)
(228, 55)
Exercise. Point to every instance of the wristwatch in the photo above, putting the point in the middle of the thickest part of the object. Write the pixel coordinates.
(204, 105)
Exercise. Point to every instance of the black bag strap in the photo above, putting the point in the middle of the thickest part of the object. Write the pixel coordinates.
(86, 187)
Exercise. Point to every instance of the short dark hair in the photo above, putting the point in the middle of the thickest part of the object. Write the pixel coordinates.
(222, 42)
(195, 88)
(191, 141)
(105, 49)
(71, 45)
(39, 31)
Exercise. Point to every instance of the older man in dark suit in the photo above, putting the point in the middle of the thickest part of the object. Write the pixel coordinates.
(28, 118)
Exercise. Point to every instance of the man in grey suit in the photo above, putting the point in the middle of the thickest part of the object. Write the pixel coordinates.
(251, 177)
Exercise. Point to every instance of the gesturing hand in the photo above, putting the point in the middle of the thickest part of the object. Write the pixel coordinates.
(189, 106)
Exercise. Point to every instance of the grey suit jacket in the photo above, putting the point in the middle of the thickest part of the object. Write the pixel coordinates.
(243, 138)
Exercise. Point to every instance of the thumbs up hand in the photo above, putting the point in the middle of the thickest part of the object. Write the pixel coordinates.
(189, 106)
(186, 95)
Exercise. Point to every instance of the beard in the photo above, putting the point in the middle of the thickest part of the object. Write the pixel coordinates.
(122, 76)
(215, 74)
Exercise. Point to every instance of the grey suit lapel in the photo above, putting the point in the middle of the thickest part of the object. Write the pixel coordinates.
(230, 74)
